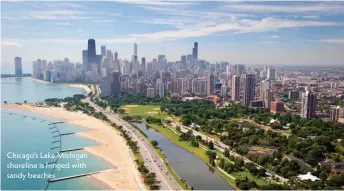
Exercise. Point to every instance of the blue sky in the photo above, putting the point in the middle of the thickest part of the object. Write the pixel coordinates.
(252, 33)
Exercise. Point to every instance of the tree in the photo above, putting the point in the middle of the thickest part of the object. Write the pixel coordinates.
(162, 108)
(226, 153)
(178, 128)
(211, 145)
(154, 143)
(323, 176)
(25, 101)
(5, 102)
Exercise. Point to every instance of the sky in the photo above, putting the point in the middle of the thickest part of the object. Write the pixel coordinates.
(251, 33)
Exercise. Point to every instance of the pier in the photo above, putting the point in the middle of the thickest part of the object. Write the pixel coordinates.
(56, 123)
(69, 150)
(74, 176)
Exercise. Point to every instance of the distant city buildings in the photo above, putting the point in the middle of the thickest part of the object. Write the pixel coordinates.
(18, 68)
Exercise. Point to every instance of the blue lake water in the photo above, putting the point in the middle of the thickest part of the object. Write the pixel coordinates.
(20, 89)
(28, 133)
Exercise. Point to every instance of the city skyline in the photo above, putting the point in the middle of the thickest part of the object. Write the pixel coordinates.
(287, 33)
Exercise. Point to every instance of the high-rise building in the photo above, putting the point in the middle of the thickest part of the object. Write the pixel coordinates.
(116, 84)
(181, 86)
(116, 61)
(161, 88)
(135, 50)
(189, 58)
(143, 61)
(105, 85)
(210, 84)
(271, 74)
(18, 66)
(223, 91)
(264, 85)
(293, 95)
(268, 98)
(103, 51)
(249, 88)
(183, 61)
(336, 112)
(199, 86)
(150, 92)
(91, 53)
(85, 59)
(195, 51)
(236, 88)
(277, 107)
(309, 102)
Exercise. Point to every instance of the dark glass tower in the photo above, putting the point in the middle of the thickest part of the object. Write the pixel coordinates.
(91, 53)
(195, 51)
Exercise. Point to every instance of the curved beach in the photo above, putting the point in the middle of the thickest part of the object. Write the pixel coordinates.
(124, 175)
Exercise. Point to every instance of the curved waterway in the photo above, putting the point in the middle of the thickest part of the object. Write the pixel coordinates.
(192, 169)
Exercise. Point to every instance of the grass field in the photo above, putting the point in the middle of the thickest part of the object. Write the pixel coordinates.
(144, 111)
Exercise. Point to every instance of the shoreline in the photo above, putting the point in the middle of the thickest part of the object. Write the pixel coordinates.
(74, 85)
(113, 149)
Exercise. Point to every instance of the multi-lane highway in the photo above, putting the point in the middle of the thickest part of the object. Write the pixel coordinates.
(151, 159)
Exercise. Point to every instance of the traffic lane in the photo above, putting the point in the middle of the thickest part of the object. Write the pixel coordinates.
(162, 168)
(156, 159)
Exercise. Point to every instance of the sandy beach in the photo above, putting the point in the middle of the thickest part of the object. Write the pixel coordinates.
(38, 80)
(124, 175)
(84, 86)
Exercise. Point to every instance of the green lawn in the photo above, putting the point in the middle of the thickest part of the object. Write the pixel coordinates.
(144, 111)
(243, 174)
(184, 144)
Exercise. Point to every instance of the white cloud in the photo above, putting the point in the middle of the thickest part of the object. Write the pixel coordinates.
(333, 41)
(11, 42)
(57, 15)
(159, 3)
(104, 21)
(311, 17)
(273, 36)
(318, 7)
(64, 23)
(269, 42)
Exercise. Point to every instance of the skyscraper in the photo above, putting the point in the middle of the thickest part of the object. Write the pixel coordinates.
(161, 88)
(195, 51)
(336, 112)
(116, 84)
(236, 88)
(181, 86)
(268, 98)
(271, 74)
(143, 61)
(85, 59)
(103, 51)
(210, 84)
(135, 50)
(91, 53)
(264, 85)
(18, 66)
(249, 88)
(309, 101)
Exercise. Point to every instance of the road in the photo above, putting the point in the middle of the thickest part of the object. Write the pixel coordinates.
(151, 159)
(221, 147)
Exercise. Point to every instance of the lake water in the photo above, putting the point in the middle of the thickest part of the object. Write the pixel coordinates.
(20, 89)
(28, 133)
(189, 167)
